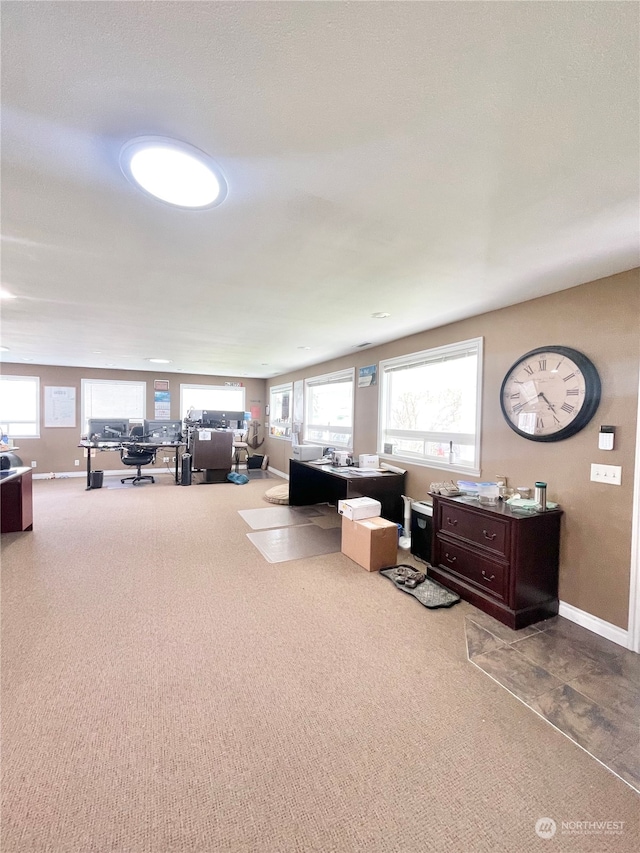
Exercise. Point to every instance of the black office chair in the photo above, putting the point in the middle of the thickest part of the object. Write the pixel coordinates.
(138, 456)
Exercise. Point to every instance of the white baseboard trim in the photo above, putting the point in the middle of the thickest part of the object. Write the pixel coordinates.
(279, 473)
(595, 624)
(121, 472)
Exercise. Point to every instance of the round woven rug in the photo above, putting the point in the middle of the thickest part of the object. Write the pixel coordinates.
(278, 494)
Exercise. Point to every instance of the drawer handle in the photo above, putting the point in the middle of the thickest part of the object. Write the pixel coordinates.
(486, 576)
(452, 521)
(449, 559)
(489, 536)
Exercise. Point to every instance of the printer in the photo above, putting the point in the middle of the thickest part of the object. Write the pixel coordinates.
(307, 452)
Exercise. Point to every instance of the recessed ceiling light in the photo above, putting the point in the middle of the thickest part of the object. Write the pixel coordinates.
(380, 315)
(160, 360)
(173, 172)
(4, 294)
(4, 349)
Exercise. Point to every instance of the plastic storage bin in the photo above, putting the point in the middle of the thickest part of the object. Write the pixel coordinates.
(488, 493)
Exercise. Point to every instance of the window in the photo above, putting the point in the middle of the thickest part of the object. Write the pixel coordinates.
(329, 409)
(430, 406)
(216, 398)
(280, 411)
(20, 406)
(112, 398)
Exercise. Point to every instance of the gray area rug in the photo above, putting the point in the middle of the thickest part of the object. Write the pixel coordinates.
(429, 592)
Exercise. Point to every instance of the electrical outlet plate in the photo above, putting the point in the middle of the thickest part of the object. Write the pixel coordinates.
(611, 474)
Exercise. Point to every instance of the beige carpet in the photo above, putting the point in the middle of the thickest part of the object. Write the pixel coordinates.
(165, 689)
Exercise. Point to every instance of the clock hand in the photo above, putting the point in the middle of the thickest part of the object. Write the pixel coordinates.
(551, 406)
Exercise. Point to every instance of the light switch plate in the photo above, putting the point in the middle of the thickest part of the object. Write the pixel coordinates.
(611, 474)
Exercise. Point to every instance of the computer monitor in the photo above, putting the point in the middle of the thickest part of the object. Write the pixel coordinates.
(222, 420)
(163, 430)
(108, 429)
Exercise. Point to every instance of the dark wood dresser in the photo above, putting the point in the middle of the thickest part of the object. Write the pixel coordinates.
(502, 561)
(16, 500)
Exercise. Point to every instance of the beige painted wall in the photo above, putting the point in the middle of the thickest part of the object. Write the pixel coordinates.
(57, 448)
(602, 320)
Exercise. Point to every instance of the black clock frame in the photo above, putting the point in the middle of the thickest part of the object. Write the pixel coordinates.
(592, 393)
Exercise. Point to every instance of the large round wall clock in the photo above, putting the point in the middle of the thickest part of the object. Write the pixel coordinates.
(550, 393)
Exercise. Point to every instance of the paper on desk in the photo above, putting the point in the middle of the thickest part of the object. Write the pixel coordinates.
(366, 472)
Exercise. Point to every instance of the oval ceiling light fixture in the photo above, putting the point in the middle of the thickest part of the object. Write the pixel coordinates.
(4, 294)
(4, 349)
(173, 172)
(380, 315)
(160, 360)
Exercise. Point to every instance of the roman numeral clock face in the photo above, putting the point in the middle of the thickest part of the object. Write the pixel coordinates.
(550, 393)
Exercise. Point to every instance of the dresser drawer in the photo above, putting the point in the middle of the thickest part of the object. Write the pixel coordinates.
(481, 529)
(489, 575)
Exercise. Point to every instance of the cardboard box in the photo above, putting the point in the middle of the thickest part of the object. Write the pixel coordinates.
(356, 508)
(370, 542)
(368, 460)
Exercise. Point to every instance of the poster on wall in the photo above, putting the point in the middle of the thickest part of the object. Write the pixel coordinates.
(160, 384)
(367, 376)
(162, 408)
(59, 406)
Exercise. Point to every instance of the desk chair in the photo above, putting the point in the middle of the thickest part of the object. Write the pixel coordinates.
(138, 456)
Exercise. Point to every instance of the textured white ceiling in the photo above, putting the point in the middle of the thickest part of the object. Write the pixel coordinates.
(433, 160)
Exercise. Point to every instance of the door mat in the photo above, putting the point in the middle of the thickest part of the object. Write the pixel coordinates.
(429, 592)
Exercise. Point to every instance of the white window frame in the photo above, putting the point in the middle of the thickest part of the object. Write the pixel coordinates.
(443, 353)
(327, 379)
(85, 384)
(215, 407)
(277, 425)
(6, 424)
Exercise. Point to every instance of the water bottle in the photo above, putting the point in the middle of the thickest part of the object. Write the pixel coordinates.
(540, 496)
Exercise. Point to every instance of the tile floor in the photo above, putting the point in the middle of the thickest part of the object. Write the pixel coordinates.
(586, 686)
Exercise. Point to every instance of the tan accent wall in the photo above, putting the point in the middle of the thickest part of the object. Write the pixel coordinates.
(600, 319)
(57, 448)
